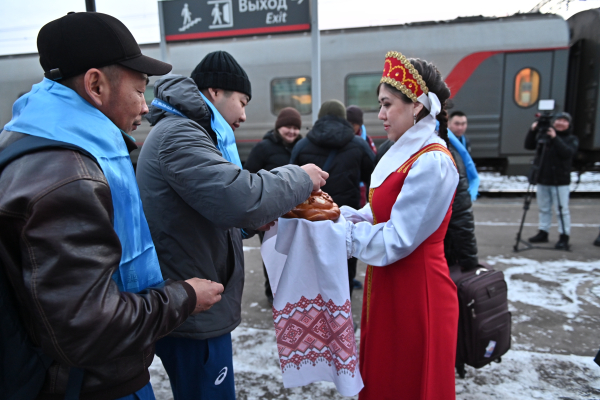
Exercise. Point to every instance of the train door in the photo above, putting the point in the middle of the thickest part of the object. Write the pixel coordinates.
(527, 79)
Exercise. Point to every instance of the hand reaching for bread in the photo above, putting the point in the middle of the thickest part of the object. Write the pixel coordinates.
(316, 174)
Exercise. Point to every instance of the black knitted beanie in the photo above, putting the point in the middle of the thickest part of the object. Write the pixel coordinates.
(219, 70)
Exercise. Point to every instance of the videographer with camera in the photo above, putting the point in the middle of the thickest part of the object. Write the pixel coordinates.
(555, 148)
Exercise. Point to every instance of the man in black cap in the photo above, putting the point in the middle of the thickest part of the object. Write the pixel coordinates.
(555, 148)
(200, 203)
(74, 244)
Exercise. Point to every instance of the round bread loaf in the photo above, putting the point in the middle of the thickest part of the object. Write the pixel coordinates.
(318, 207)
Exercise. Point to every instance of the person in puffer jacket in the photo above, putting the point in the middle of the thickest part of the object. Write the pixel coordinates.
(275, 151)
(350, 157)
(200, 203)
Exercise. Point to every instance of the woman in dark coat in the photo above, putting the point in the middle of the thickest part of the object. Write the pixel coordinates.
(275, 151)
(276, 147)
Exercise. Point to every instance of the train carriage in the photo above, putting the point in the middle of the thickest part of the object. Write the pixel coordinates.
(497, 69)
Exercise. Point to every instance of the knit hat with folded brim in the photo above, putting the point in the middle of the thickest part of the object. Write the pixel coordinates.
(288, 117)
(219, 70)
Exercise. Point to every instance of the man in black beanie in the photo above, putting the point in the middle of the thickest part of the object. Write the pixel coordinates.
(200, 204)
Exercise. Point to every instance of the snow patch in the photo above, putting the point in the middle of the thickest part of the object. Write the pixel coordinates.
(494, 182)
(249, 248)
(552, 285)
(520, 375)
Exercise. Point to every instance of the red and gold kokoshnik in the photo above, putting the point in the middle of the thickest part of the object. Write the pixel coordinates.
(401, 74)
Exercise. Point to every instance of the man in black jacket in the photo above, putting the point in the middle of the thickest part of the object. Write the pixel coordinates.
(74, 244)
(332, 145)
(555, 148)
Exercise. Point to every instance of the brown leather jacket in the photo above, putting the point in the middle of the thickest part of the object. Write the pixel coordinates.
(59, 249)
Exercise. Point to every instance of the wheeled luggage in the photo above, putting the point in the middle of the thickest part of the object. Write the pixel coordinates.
(484, 323)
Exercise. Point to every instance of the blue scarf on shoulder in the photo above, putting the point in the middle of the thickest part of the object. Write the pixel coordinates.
(472, 174)
(53, 111)
(225, 137)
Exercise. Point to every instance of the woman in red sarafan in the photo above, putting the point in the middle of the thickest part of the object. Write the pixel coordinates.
(410, 309)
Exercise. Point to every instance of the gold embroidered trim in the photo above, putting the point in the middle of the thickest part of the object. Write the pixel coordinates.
(432, 147)
(419, 80)
(400, 87)
(371, 192)
(369, 267)
(400, 57)
(369, 285)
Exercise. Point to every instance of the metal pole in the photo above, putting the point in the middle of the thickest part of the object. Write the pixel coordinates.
(316, 60)
(90, 5)
(163, 41)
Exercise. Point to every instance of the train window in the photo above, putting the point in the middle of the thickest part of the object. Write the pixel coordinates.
(361, 91)
(149, 94)
(291, 92)
(527, 87)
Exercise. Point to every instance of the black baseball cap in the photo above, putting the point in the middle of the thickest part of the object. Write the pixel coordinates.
(71, 45)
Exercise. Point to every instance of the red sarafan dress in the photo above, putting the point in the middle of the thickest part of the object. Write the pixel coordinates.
(410, 312)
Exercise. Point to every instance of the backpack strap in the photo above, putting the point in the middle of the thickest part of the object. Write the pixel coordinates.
(74, 383)
(330, 158)
(30, 144)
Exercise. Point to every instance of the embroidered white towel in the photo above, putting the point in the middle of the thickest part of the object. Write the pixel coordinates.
(307, 268)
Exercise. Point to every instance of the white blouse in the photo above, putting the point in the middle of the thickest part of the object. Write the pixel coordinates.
(417, 213)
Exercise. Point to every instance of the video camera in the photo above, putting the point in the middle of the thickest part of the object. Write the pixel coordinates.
(544, 119)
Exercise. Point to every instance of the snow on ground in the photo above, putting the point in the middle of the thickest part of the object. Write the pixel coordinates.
(559, 286)
(520, 375)
(494, 182)
(566, 289)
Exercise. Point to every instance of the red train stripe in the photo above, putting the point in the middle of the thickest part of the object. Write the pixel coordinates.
(238, 32)
(465, 67)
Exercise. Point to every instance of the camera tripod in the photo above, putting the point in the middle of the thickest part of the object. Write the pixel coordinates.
(535, 169)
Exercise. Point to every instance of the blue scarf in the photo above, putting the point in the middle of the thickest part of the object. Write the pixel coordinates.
(225, 136)
(363, 132)
(472, 175)
(53, 111)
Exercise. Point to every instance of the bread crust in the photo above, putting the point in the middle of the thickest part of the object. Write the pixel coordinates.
(318, 207)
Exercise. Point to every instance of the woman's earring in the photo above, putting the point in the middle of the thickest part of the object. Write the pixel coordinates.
(414, 119)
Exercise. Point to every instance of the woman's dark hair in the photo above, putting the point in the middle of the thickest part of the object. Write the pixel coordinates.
(435, 84)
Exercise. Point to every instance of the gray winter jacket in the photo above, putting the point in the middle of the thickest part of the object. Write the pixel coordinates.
(195, 202)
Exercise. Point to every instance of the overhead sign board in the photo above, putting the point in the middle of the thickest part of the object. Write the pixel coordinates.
(206, 19)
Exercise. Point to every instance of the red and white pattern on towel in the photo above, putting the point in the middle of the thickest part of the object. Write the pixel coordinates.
(312, 331)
